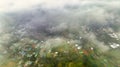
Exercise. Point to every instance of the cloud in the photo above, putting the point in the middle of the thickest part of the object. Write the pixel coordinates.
(67, 19)
(72, 15)
(17, 5)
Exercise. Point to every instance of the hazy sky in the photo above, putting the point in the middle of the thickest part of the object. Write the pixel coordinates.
(14, 5)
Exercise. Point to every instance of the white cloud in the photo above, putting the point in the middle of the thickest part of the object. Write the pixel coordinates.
(13, 5)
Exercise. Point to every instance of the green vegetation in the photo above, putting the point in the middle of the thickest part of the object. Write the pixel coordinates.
(65, 54)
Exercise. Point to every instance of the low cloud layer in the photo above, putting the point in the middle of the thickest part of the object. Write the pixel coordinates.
(67, 19)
